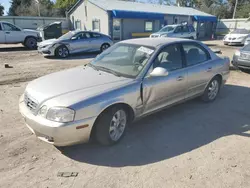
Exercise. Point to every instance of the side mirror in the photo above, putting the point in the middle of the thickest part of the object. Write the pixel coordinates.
(159, 71)
(74, 38)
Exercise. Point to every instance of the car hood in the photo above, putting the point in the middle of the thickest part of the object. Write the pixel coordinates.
(30, 31)
(84, 79)
(47, 42)
(236, 35)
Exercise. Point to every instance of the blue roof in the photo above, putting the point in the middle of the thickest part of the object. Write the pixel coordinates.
(122, 9)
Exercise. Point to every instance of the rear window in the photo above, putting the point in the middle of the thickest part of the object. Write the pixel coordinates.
(96, 35)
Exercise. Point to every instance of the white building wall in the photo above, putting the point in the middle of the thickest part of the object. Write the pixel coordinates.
(224, 26)
(85, 18)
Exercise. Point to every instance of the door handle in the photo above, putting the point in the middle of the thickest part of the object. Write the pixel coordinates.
(209, 69)
(180, 78)
(7, 32)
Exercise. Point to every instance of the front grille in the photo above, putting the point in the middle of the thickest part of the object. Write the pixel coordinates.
(30, 103)
(154, 36)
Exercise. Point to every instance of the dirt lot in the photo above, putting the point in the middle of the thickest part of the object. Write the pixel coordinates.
(191, 145)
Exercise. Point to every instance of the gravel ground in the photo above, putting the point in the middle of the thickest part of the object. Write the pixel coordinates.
(191, 145)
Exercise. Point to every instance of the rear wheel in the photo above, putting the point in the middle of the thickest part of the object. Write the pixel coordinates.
(111, 126)
(30, 43)
(212, 90)
(104, 47)
(62, 52)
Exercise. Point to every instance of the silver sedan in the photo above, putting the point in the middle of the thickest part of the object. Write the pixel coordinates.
(75, 42)
(129, 80)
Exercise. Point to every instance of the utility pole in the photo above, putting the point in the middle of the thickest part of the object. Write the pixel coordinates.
(235, 7)
(38, 7)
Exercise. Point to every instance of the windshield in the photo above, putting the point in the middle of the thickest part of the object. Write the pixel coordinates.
(246, 48)
(167, 29)
(68, 35)
(240, 31)
(126, 60)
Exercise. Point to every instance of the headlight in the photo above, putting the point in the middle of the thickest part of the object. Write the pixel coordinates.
(58, 114)
(242, 37)
(165, 35)
(237, 53)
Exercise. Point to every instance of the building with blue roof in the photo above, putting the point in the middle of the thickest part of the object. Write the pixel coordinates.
(124, 19)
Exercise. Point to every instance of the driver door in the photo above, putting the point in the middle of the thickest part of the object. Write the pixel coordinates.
(161, 91)
(12, 33)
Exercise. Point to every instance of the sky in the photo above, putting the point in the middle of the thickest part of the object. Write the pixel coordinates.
(6, 4)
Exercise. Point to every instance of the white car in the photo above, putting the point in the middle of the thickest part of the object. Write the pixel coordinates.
(247, 41)
(236, 37)
(11, 34)
(176, 31)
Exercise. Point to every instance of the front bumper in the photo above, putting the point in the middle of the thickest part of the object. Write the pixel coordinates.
(59, 134)
(46, 51)
(234, 42)
(241, 63)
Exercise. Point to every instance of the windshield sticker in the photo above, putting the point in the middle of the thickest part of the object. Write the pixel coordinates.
(146, 50)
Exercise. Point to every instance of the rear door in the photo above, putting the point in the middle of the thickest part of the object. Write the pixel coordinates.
(199, 68)
(12, 33)
(96, 41)
(2, 35)
(81, 42)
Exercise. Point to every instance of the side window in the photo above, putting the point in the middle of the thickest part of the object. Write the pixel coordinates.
(178, 29)
(96, 35)
(86, 35)
(185, 29)
(96, 25)
(148, 26)
(0, 27)
(195, 54)
(169, 58)
(10, 27)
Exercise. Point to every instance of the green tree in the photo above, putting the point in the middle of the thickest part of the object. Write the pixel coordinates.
(1, 10)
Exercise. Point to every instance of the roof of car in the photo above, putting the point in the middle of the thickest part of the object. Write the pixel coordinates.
(153, 42)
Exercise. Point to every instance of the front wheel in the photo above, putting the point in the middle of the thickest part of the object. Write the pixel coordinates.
(104, 47)
(30, 43)
(212, 90)
(111, 126)
(62, 52)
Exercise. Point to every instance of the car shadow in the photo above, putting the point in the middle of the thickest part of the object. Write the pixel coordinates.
(15, 49)
(85, 55)
(173, 131)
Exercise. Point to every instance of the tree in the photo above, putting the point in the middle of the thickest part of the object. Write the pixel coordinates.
(30, 8)
(1, 10)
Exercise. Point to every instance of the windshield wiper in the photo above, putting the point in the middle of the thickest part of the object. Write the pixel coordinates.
(108, 70)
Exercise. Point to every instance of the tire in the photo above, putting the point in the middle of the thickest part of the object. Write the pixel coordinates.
(62, 51)
(212, 90)
(109, 129)
(104, 47)
(30, 43)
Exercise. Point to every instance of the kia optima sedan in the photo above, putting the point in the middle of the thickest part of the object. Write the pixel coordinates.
(75, 42)
(131, 79)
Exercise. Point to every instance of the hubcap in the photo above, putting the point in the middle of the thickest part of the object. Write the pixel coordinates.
(32, 43)
(63, 52)
(117, 125)
(213, 89)
(104, 47)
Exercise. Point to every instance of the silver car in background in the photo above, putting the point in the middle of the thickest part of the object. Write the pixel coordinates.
(131, 79)
(75, 42)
